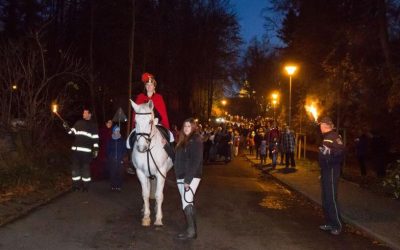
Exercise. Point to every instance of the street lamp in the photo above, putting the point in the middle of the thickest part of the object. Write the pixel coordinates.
(290, 69)
(274, 104)
(274, 97)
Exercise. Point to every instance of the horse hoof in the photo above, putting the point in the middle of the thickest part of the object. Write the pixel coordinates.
(158, 223)
(146, 222)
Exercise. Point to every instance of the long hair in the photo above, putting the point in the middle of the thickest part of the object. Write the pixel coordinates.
(183, 139)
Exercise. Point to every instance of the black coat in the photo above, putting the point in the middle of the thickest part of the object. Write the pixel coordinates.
(334, 142)
(189, 159)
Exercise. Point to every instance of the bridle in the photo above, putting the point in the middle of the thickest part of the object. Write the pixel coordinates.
(146, 136)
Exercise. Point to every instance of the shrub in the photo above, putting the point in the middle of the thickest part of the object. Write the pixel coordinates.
(392, 179)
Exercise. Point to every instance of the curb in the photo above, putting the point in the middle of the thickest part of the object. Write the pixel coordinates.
(32, 208)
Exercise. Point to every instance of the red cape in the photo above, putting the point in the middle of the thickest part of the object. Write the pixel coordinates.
(159, 104)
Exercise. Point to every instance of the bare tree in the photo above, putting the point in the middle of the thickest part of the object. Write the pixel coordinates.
(32, 80)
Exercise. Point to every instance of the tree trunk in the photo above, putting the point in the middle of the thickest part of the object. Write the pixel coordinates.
(384, 41)
(91, 73)
(131, 60)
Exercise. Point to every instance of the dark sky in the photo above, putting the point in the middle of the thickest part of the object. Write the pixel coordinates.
(250, 13)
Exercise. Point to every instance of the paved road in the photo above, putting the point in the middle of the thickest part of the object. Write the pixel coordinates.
(238, 208)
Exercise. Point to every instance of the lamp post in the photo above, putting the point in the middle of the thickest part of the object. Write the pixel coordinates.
(223, 109)
(274, 97)
(290, 69)
(274, 104)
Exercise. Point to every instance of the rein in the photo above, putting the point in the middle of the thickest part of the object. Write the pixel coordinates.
(185, 191)
(148, 137)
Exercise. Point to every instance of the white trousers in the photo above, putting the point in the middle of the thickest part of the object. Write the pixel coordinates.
(187, 197)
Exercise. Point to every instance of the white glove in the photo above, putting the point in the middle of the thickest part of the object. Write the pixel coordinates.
(325, 150)
(65, 125)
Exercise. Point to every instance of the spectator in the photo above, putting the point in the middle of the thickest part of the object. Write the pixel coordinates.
(250, 142)
(263, 151)
(257, 141)
(361, 152)
(379, 150)
(98, 167)
(236, 143)
(116, 150)
(273, 134)
(289, 145)
(274, 148)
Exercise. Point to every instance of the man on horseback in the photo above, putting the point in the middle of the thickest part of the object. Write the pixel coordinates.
(160, 112)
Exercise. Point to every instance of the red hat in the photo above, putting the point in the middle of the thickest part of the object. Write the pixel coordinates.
(146, 77)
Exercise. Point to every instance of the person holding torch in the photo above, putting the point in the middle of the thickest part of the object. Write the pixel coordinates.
(331, 155)
(84, 149)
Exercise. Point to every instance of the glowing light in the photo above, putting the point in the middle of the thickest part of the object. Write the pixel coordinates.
(14, 87)
(312, 109)
(223, 102)
(54, 108)
(290, 69)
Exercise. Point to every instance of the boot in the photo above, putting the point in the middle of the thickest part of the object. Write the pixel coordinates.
(76, 186)
(85, 186)
(170, 151)
(191, 230)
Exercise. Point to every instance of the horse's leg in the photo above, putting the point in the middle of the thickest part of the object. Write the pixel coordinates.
(159, 199)
(145, 182)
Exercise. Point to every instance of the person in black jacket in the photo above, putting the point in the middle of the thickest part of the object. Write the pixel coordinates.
(188, 171)
(116, 150)
(84, 149)
(331, 155)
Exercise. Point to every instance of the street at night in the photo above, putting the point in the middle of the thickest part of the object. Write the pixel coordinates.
(238, 208)
(267, 124)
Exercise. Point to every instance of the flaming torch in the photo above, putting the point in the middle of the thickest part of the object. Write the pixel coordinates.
(312, 109)
(55, 111)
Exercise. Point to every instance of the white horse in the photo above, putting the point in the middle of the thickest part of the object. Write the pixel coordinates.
(150, 159)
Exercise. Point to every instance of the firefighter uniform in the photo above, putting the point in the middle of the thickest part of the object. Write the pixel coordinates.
(84, 148)
(331, 155)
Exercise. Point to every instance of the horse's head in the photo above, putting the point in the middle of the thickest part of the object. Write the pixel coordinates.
(144, 118)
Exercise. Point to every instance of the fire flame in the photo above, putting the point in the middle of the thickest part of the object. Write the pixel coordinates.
(55, 108)
(313, 110)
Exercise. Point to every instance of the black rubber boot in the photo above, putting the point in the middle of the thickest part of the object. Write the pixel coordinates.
(191, 230)
(169, 148)
(76, 186)
(85, 186)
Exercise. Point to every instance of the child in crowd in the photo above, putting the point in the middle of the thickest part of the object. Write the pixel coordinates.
(274, 151)
(116, 150)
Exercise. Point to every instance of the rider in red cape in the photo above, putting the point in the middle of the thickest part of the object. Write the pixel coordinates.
(160, 111)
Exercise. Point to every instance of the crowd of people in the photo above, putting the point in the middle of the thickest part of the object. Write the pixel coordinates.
(259, 137)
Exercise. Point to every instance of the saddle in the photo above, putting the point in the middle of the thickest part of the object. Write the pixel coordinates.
(169, 147)
(164, 132)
